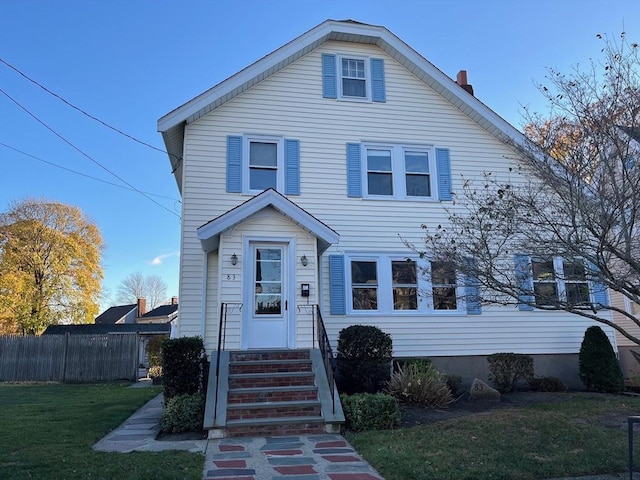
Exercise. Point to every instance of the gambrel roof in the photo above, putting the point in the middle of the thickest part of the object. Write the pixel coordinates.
(172, 124)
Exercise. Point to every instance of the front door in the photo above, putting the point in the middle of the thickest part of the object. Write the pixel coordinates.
(268, 312)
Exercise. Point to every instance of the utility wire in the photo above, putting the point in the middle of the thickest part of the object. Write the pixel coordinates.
(86, 155)
(92, 117)
(82, 174)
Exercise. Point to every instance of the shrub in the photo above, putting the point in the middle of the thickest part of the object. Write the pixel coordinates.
(154, 350)
(414, 383)
(182, 366)
(453, 382)
(547, 384)
(507, 369)
(370, 411)
(155, 372)
(599, 367)
(364, 359)
(422, 363)
(183, 413)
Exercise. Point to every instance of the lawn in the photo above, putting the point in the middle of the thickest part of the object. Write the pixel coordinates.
(47, 432)
(585, 434)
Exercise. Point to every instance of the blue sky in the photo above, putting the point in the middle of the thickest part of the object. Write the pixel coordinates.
(128, 63)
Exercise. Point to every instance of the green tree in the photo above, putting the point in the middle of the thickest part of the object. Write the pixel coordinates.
(50, 268)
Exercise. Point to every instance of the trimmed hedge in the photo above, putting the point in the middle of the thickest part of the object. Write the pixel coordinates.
(183, 413)
(363, 359)
(370, 411)
(599, 367)
(507, 369)
(547, 384)
(183, 361)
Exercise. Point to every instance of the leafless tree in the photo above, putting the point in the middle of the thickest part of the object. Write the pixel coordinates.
(152, 288)
(572, 193)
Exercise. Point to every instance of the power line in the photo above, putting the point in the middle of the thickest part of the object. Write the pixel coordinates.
(83, 174)
(92, 117)
(86, 155)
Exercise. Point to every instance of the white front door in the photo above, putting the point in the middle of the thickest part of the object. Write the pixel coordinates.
(267, 324)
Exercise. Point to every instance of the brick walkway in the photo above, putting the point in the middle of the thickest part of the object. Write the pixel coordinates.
(313, 457)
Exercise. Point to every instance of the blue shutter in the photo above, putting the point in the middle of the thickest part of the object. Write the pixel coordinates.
(524, 280)
(377, 80)
(443, 164)
(472, 289)
(336, 285)
(234, 164)
(291, 167)
(354, 170)
(329, 79)
(600, 293)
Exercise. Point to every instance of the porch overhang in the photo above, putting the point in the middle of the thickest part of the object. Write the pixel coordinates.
(209, 233)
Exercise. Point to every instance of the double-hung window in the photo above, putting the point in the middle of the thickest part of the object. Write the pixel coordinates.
(387, 284)
(364, 284)
(560, 280)
(444, 286)
(264, 168)
(397, 171)
(354, 77)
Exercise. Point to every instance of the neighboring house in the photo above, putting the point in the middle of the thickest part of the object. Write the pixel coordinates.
(118, 315)
(628, 351)
(145, 331)
(303, 178)
(161, 314)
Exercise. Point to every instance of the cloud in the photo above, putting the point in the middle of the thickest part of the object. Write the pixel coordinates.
(160, 258)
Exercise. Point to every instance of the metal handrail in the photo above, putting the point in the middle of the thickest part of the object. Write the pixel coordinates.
(327, 353)
(225, 309)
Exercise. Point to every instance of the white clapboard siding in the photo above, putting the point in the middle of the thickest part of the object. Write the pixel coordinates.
(290, 104)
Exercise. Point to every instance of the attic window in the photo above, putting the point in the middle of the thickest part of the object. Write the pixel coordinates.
(354, 79)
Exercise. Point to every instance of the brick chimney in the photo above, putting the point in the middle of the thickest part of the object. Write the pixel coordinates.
(174, 300)
(142, 306)
(461, 80)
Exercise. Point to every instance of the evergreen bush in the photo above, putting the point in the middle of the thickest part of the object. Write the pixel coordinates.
(507, 369)
(599, 367)
(183, 361)
(363, 359)
(183, 413)
(547, 384)
(154, 350)
(370, 411)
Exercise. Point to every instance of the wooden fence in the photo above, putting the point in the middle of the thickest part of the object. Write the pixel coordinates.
(69, 358)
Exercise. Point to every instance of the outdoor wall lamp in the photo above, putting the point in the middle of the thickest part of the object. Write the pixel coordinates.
(304, 260)
(234, 259)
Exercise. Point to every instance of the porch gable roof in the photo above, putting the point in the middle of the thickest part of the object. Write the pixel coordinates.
(209, 233)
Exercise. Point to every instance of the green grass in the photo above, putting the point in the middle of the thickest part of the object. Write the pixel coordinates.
(569, 438)
(47, 431)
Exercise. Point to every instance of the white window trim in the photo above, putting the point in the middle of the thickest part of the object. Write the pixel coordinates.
(367, 78)
(279, 141)
(385, 286)
(398, 171)
(627, 307)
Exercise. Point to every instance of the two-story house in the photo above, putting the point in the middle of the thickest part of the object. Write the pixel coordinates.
(303, 179)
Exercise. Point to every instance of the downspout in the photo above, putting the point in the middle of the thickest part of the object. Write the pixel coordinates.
(203, 302)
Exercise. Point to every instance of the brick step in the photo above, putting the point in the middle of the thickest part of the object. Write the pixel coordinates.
(288, 379)
(270, 366)
(249, 411)
(269, 355)
(272, 427)
(272, 394)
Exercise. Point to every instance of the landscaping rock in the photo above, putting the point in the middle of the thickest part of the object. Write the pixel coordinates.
(482, 391)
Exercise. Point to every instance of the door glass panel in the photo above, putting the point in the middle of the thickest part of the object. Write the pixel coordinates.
(268, 284)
